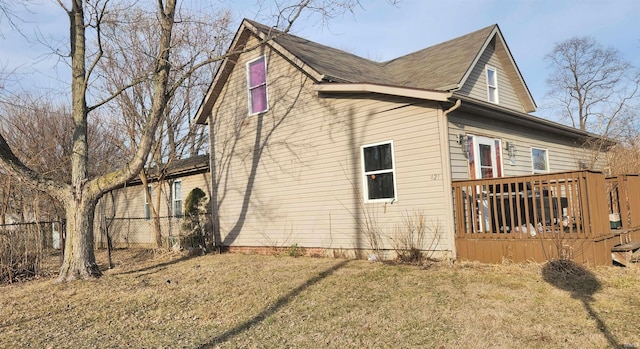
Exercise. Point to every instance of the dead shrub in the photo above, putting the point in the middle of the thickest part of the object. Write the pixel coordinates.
(624, 158)
(414, 238)
(22, 248)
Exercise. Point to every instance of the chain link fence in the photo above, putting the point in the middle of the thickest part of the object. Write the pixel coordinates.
(23, 247)
(175, 232)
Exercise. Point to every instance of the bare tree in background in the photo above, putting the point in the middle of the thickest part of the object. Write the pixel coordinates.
(38, 131)
(592, 85)
(8, 12)
(198, 37)
(87, 56)
(595, 89)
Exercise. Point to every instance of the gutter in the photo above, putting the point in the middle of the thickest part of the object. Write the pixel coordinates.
(498, 112)
(432, 95)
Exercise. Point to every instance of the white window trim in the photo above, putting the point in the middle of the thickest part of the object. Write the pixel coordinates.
(533, 169)
(365, 190)
(174, 199)
(489, 85)
(266, 84)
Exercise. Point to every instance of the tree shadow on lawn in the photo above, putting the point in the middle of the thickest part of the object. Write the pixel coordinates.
(582, 284)
(157, 267)
(279, 304)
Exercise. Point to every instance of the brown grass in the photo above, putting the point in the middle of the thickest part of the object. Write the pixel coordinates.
(256, 301)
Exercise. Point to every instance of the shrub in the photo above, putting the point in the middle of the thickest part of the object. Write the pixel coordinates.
(414, 237)
(195, 218)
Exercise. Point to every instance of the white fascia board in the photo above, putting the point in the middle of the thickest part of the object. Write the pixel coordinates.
(439, 96)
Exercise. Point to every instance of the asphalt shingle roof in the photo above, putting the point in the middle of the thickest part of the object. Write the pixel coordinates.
(439, 67)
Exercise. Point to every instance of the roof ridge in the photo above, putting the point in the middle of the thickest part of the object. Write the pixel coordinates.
(258, 25)
(443, 43)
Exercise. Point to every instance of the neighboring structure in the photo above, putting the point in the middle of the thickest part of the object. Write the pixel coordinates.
(320, 148)
(126, 213)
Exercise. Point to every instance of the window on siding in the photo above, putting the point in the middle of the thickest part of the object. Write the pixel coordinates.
(257, 81)
(492, 84)
(539, 160)
(379, 173)
(177, 199)
(147, 209)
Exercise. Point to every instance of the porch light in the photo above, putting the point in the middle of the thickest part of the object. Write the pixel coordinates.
(511, 149)
(463, 140)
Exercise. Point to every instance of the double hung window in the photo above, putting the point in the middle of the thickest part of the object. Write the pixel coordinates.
(379, 172)
(257, 82)
(177, 199)
(492, 84)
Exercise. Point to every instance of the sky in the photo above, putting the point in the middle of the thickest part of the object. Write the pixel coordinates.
(380, 31)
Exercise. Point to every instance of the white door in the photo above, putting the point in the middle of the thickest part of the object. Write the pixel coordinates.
(485, 162)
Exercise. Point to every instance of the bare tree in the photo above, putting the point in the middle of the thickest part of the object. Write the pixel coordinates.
(38, 132)
(87, 55)
(80, 196)
(593, 86)
(197, 37)
(8, 13)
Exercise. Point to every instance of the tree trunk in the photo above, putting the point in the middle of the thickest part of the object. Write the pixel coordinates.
(79, 259)
(154, 209)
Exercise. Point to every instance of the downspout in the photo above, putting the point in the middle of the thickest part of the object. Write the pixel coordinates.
(446, 176)
(455, 106)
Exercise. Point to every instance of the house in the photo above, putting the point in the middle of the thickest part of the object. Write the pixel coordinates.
(318, 148)
(126, 213)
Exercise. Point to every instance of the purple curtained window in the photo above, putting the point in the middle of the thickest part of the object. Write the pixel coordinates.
(257, 86)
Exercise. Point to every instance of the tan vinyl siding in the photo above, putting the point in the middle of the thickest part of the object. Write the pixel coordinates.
(306, 186)
(476, 84)
(126, 205)
(563, 154)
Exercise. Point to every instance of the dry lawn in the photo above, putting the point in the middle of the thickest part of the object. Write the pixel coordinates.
(252, 301)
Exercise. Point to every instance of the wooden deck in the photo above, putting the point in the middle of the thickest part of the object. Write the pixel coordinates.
(578, 215)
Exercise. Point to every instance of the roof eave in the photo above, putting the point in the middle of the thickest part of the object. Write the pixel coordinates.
(502, 113)
(241, 37)
(529, 105)
(432, 95)
(478, 55)
(220, 76)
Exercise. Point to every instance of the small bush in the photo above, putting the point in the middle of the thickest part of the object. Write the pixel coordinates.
(296, 251)
(414, 237)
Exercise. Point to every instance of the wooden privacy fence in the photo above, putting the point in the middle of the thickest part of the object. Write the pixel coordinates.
(557, 211)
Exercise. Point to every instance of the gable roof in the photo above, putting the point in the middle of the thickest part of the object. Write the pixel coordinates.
(442, 67)
(330, 63)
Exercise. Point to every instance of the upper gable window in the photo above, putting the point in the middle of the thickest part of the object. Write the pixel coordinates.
(492, 84)
(257, 78)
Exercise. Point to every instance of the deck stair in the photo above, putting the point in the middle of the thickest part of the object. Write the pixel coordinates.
(623, 254)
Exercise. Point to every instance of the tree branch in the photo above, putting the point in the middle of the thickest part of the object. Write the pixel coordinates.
(10, 162)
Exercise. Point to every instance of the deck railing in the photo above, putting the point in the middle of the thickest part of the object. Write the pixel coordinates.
(577, 204)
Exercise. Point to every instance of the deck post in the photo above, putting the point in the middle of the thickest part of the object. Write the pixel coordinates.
(596, 204)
